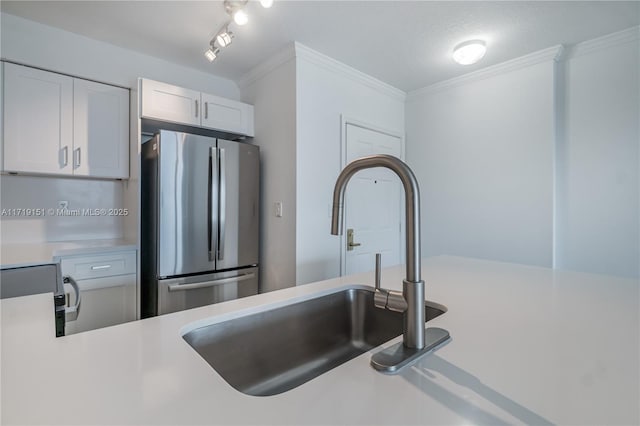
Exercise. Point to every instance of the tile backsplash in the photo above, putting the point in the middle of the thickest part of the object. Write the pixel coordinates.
(87, 217)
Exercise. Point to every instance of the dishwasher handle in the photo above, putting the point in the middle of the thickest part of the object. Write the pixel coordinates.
(71, 313)
(205, 284)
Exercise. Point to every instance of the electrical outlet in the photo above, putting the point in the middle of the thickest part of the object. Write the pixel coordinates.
(63, 205)
(278, 208)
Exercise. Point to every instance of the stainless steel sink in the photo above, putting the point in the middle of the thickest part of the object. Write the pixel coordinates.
(271, 352)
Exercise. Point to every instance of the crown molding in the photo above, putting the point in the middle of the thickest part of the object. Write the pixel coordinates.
(317, 58)
(550, 54)
(604, 42)
(256, 73)
(300, 51)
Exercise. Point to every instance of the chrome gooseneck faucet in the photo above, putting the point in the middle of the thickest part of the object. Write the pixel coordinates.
(411, 301)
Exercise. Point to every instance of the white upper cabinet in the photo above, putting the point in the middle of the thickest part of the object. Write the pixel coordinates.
(56, 124)
(100, 124)
(165, 102)
(38, 119)
(227, 115)
(170, 103)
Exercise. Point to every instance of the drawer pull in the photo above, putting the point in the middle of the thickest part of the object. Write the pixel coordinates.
(95, 268)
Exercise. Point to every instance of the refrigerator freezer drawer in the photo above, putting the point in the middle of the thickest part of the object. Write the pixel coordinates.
(191, 292)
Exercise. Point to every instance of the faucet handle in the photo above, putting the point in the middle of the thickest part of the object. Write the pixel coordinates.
(378, 272)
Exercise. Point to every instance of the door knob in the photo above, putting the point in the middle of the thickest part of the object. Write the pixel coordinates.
(350, 243)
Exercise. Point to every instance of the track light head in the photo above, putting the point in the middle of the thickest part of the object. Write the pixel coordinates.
(224, 37)
(211, 53)
(235, 9)
(240, 17)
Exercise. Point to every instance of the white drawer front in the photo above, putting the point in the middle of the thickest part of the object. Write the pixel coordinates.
(103, 265)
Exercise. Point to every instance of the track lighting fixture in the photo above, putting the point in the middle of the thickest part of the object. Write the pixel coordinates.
(236, 11)
(211, 53)
(224, 37)
(240, 17)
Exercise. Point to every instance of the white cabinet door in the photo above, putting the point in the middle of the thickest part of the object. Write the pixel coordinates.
(107, 285)
(100, 130)
(38, 119)
(105, 302)
(227, 115)
(165, 102)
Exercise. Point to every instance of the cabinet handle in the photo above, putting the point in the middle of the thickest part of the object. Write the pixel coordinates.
(196, 108)
(100, 267)
(65, 156)
(77, 158)
(206, 110)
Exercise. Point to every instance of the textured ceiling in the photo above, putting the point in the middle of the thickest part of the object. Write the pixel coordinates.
(406, 44)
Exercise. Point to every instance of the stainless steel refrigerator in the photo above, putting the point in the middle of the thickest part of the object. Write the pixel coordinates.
(199, 221)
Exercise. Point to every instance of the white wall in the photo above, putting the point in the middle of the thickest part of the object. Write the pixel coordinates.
(35, 44)
(273, 95)
(299, 97)
(483, 155)
(535, 163)
(599, 214)
(327, 89)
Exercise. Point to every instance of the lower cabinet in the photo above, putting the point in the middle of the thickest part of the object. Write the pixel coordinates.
(107, 285)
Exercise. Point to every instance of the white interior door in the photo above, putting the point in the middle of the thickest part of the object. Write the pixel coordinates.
(373, 203)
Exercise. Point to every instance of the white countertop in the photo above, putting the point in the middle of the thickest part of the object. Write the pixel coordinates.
(32, 254)
(529, 346)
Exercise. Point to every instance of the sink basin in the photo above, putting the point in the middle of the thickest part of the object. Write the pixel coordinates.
(271, 352)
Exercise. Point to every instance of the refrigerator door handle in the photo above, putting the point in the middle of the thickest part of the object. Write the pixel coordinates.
(194, 286)
(212, 225)
(223, 203)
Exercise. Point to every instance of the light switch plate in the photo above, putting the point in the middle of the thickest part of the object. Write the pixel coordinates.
(278, 208)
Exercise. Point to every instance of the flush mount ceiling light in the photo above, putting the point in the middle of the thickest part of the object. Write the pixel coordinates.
(236, 10)
(469, 52)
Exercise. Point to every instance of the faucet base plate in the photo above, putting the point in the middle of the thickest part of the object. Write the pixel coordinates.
(394, 358)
